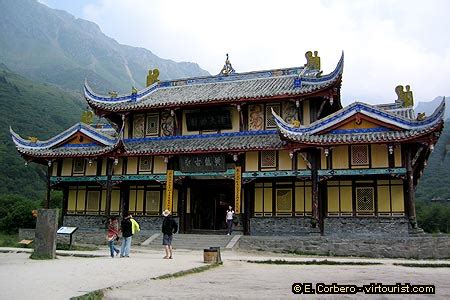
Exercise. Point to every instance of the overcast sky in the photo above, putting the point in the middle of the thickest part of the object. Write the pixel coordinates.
(386, 43)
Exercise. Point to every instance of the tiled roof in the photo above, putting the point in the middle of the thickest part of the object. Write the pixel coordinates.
(233, 141)
(219, 89)
(88, 151)
(97, 135)
(236, 141)
(408, 128)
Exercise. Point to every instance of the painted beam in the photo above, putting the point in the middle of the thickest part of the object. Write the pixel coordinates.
(350, 172)
(303, 173)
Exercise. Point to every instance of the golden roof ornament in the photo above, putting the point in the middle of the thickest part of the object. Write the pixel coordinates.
(421, 116)
(133, 90)
(33, 139)
(227, 68)
(87, 117)
(295, 123)
(405, 97)
(152, 77)
(113, 94)
(312, 61)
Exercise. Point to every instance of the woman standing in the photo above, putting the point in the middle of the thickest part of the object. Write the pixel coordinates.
(113, 235)
(229, 218)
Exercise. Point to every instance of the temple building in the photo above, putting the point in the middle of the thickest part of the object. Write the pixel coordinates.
(277, 145)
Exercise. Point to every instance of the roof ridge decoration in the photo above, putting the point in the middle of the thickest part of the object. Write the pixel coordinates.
(227, 68)
(309, 80)
(91, 132)
(363, 108)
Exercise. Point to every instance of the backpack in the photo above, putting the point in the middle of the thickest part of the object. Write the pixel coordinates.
(134, 226)
(174, 226)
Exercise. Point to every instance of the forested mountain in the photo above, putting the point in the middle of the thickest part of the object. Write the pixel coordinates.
(53, 46)
(31, 109)
(435, 181)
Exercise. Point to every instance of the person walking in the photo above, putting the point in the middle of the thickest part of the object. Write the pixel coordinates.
(229, 219)
(169, 227)
(113, 235)
(127, 235)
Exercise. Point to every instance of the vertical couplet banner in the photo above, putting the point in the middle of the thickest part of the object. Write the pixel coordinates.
(237, 190)
(169, 190)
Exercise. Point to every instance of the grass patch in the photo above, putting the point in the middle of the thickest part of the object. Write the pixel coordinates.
(313, 262)
(60, 246)
(423, 265)
(95, 295)
(188, 272)
(8, 240)
(299, 252)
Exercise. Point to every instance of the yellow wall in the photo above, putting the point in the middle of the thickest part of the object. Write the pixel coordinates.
(301, 164)
(159, 166)
(55, 168)
(379, 154)
(267, 199)
(398, 200)
(251, 161)
(118, 168)
(384, 199)
(72, 199)
(340, 157)
(323, 159)
(188, 201)
(340, 193)
(284, 160)
(306, 113)
(132, 165)
(104, 166)
(66, 167)
(258, 199)
(353, 125)
(92, 169)
(81, 199)
(115, 200)
(398, 156)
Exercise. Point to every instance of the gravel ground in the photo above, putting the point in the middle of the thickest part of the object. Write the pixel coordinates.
(130, 278)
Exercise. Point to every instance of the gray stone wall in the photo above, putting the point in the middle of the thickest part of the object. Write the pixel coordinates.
(366, 226)
(98, 222)
(282, 226)
(423, 247)
(86, 236)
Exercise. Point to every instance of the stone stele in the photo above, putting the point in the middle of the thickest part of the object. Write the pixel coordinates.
(45, 236)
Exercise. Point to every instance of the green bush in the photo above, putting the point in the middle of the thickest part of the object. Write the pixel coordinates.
(16, 212)
(433, 217)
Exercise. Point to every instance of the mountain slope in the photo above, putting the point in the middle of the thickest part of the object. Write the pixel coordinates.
(53, 46)
(31, 109)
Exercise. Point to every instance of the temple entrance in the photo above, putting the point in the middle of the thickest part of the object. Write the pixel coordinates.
(209, 202)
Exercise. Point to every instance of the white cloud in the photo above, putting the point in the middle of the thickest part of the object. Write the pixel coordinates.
(386, 43)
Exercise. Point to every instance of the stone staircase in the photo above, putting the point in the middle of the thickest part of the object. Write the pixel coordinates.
(191, 241)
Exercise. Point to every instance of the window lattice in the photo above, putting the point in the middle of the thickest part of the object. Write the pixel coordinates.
(365, 199)
(152, 202)
(268, 159)
(270, 121)
(284, 200)
(152, 125)
(93, 201)
(360, 155)
(145, 163)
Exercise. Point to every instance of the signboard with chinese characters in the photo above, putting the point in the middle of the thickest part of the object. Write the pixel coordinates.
(169, 190)
(202, 163)
(237, 190)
